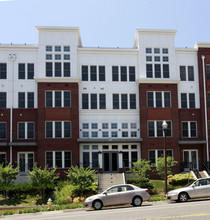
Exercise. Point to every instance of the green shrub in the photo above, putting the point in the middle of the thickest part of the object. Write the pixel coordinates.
(142, 183)
(180, 179)
(62, 194)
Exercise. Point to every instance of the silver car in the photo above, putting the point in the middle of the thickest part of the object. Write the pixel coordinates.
(118, 195)
(198, 189)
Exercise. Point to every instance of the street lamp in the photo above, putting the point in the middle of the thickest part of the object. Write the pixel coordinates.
(165, 126)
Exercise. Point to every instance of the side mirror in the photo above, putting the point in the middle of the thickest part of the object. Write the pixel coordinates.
(193, 185)
(105, 193)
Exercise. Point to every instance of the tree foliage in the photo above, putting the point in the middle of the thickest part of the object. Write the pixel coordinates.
(161, 165)
(140, 168)
(43, 179)
(8, 174)
(83, 179)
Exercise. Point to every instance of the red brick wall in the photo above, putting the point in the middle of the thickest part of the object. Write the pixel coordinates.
(59, 114)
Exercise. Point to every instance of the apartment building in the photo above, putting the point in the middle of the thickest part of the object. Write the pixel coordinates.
(63, 104)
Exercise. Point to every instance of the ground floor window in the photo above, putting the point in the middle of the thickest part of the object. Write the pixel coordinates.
(2, 158)
(25, 161)
(58, 159)
(109, 157)
(155, 154)
(190, 160)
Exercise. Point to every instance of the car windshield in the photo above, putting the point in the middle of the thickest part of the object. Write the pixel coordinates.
(190, 183)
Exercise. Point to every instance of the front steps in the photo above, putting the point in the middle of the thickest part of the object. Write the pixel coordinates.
(109, 179)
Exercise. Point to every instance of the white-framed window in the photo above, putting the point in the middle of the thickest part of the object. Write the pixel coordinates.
(93, 73)
(93, 101)
(186, 73)
(155, 129)
(124, 101)
(25, 99)
(26, 130)
(57, 99)
(155, 154)
(160, 99)
(25, 161)
(187, 100)
(24, 69)
(189, 129)
(58, 159)
(58, 129)
(123, 73)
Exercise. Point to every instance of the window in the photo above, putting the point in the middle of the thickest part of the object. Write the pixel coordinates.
(102, 73)
(158, 99)
(57, 69)
(189, 129)
(3, 130)
(48, 56)
(58, 129)
(66, 48)
(208, 72)
(57, 48)
(165, 59)
(132, 101)
(149, 70)
(58, 159)
(3, 70)
(102, 101)
(21, 100)
(157, 58)
(3, 99)
(165, 50)
(26, 102)
(132, 74)
(93, 101)
(190, 73)
(93, 73)
(125, 159)
(115, 74)
(21, 71)
(48, 48)
(3, 158)
(156, 50)
(26, 130)
(85, 126)
(116, 101)
(66, 70)
(114, 125)
(57, 99)
(94, 126)
(94, 134)
(123, 70)
(105, 134)
(187, 100)
(155, 129)
(157, 71)
(182, 73)
(149, 58)
(30, 73)
(85, 102)
(148, 50)
(86, 159)
(165, 71)
(124, 101)
(66, 56)
(49, 70)
(124, 125)
(84, 73)
(30, 100)
(155, 154)
(95, 160)
(105, 126)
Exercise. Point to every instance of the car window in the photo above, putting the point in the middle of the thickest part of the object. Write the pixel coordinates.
(200, 183)
(123, 188)
(208, 181)
(113, 190)
(129, 188)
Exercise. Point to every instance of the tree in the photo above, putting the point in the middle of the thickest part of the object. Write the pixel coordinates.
(161, 165)
(140, 168)
(7, 176)
(43, 179)
(83, 179)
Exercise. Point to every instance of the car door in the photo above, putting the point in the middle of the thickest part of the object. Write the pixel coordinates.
(199, 189)
(208, 187)
(125, 195)
(111, 197)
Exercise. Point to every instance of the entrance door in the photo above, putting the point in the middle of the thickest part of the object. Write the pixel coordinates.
(26, 161)
(190, 160)
(110, 162)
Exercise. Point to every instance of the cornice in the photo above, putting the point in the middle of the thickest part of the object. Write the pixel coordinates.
(157, 81)
(57, 80)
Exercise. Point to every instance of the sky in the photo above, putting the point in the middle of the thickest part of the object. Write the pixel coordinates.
(106, 23)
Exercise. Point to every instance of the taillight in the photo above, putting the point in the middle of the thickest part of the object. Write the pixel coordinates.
(147, 191)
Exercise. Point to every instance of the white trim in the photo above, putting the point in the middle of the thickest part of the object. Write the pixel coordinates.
(57, 80)
(157, 81)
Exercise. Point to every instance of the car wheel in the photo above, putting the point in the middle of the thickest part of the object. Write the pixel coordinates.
(97, 205)
(183, 197)
(137, 201)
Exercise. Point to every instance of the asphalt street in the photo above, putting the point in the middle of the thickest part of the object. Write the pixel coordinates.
(199, 210)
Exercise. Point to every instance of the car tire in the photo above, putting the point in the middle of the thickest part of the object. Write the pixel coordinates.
(137, 201)
(97, 205)
(183, 197)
